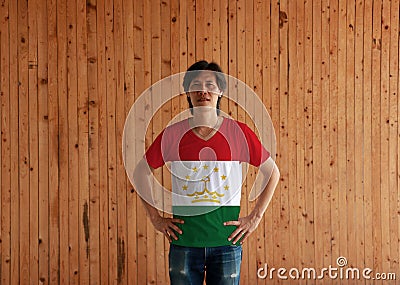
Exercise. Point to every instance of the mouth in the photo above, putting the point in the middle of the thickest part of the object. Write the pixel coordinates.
(203, 100)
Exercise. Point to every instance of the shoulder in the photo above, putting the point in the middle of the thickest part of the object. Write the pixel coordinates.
(240, 129)
(178, 125)
(234, 124)
(176, 128)
(170, 132)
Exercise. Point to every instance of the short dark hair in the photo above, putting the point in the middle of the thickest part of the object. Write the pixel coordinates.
(194, 70)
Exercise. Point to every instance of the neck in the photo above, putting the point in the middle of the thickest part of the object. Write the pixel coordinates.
(206, 118)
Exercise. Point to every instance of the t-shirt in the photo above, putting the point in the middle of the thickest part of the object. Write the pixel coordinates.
(206, 177)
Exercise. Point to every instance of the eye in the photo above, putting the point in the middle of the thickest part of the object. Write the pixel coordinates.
(195, 87)
(211, 86)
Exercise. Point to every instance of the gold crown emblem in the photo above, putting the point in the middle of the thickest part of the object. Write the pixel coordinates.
(205, 195)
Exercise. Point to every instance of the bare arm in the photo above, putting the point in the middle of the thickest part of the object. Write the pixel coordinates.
(248, 224)
(167, 226)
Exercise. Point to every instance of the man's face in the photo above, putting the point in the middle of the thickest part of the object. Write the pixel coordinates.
(203, 90)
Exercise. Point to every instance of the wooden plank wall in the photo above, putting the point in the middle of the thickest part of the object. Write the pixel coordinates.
(327, 71)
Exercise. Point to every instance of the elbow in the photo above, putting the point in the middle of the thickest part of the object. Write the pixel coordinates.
(142, 169)
(276, 173)
(136, 173)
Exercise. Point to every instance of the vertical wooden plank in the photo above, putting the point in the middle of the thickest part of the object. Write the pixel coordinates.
(309, 112)
(393, 133)
(232, 50)
(111, 141)
(14, 128)
(241, 46)
(224, 21)
(154, 274)
(292, 137)
(34, 138)
(139, 87)
(316, 134)
(191, 31)
(183, 41)
(53, 116)
(73, 132)
(215, 33)
(129, 71)
(121, 115)
(160, 248)
(183, 47)
(249, 116)
(384, 130)
(73, 144)
(222, 54)
(241, 61)
(282, 136)
(199, 29)
(6, 145)
(1, 153)
(43, 124)
(62, 84)
(165, 10)
(368, 155)
(260, 234)
(350, 131)
(398, 150)
(120, 120)
(326, 236)
(267, 99)
(93, 207)
(233, 65)
(358, 135)
(84, 223)
(23, 141)
(300, 133)
(333, 128)
(342, 202)
(208, 27)
(376, 134)
(278, 251)
(14, 138)
(155, 31)
(175, 22)
(103, 146)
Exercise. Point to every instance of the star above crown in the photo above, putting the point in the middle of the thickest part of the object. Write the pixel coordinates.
(206, 194)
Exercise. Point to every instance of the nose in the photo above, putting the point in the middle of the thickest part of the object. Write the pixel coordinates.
(203, 91)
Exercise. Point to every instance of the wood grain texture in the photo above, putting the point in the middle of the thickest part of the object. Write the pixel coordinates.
(326, 71)
(6, 134)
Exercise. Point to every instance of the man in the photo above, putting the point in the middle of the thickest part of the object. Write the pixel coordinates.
(206, 152)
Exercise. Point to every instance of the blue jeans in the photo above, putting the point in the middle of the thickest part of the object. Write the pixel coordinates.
(187, 265)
